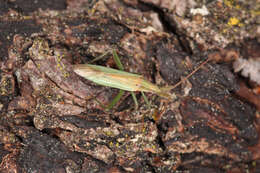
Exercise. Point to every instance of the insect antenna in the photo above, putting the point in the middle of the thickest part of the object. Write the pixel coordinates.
(188, 76)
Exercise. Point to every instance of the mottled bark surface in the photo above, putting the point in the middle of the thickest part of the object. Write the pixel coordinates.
(53, 120)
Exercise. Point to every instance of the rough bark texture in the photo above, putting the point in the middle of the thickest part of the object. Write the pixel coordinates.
(51, 121)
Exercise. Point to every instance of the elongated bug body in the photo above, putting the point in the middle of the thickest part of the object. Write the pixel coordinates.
(118, 79)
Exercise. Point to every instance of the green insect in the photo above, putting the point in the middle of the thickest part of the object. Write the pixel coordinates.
(123, 80)
(118, 79)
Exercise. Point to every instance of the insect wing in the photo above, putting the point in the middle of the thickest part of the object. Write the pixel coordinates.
(109, 77)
